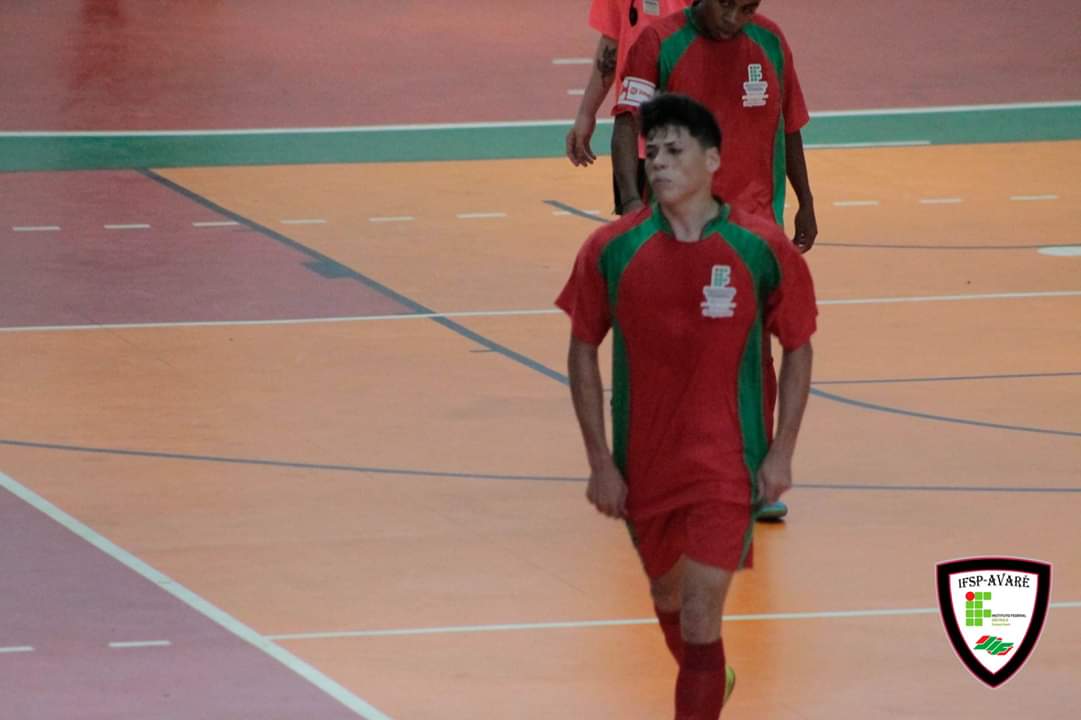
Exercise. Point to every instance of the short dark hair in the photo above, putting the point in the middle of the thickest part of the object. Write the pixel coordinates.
(675, 110)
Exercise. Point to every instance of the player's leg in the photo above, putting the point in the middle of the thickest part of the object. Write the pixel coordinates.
(703, 680)
(718, 543)
(660, 542)
(667, 592)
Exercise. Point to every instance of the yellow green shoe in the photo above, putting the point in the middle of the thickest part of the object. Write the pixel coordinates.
(729, 682)
(772, 512)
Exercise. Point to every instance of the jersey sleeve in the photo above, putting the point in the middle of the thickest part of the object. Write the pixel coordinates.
(585, 296)
(795, 107)
(791, 310)
(604, 17)
(638, 83)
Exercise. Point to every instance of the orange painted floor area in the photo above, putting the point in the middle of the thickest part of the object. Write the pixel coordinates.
(388, 517)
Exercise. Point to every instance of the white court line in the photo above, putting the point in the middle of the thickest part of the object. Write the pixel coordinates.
(501, 313)
(215, 223)
(855, 203)
(35, 228)
(129, 226)
(392, 218)
(572, 61)
(1066, 251)
(949, 109)
(489, 125)
(139, 644)
(953, 298)
(16, 649)
(941, 201)
(305, 221)
(562, 213)
(875, 144)
(576, 91)
(1032, 198)
(195, 602)
(453, 629)
(480, 215)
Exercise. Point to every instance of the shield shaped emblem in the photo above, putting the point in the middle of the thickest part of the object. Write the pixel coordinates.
(993, 609)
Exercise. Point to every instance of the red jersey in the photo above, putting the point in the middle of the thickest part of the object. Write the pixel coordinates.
(750, 84)
(624, 21)
(692, 406)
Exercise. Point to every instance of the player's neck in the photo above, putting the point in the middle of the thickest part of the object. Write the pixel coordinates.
(691, 215)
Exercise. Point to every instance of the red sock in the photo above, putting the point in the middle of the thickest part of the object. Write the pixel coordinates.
(672, 636)
(700, 685)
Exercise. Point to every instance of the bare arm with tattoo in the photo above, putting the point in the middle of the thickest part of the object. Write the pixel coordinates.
(600, 81)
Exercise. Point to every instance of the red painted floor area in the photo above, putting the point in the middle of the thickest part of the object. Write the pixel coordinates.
(130, 65)
(84, 273)
(68, 601)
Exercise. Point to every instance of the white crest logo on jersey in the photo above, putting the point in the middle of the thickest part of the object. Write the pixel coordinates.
(755, 89)
(652, 7)
(636, 91)
(719, 294)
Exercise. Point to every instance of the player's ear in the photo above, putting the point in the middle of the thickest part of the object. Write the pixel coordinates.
(713, 159)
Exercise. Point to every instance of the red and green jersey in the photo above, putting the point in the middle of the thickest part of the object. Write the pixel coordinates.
(750, 84)
(692, 398)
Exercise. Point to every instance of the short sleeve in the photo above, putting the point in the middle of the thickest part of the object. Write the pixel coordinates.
(795, 107)
(792, 311)
(638, 83)
(604, 17)
(585, 296)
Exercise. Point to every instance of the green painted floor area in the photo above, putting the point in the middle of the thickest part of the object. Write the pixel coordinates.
(90, 151)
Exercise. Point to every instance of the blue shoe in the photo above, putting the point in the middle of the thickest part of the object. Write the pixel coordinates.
(772, 512)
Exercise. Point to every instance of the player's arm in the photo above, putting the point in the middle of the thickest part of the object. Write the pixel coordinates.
(600, 82)
(806, 224)
(606, 489)
(775, 473)
(625, 162)
(637, 86)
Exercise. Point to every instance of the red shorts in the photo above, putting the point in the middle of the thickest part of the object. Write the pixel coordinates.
(713, 533)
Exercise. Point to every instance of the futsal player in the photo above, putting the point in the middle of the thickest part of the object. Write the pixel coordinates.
(690, 286)
(735, 61)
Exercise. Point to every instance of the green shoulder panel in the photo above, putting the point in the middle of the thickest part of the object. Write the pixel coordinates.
(615, 258)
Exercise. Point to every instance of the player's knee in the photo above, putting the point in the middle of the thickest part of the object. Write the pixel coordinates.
(666, 593)
(700, 617)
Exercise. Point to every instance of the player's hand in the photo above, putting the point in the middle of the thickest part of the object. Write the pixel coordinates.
(607, 490)
(774, 477)
(806, 227)
(631, 206)
(578, 150)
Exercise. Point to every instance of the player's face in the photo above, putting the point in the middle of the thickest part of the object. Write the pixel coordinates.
(724, 19)
(677, 165)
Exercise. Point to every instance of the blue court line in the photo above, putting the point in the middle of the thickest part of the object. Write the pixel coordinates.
(414, 472)
(278, 463)
(345, 272)
(940, 418)
(333, 269)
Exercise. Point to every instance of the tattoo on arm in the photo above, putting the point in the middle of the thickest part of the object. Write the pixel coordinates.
(606, 63)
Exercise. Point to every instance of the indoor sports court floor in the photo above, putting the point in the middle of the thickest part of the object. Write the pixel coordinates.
(286, 430)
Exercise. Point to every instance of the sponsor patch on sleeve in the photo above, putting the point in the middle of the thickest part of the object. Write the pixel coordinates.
(636, 91)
